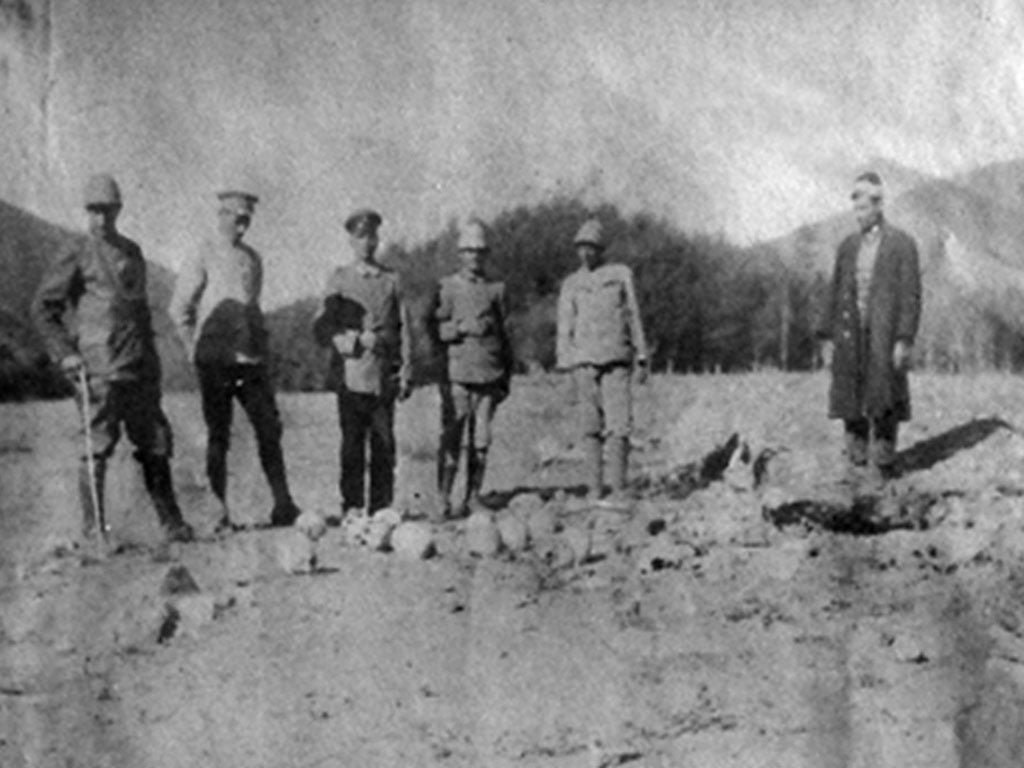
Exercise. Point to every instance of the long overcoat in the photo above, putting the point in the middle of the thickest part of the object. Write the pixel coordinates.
(865, 383)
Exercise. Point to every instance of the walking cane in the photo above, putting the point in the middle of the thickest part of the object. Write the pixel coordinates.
(90, 459)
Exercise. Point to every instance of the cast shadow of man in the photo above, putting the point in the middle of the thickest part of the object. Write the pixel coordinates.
(927, 453)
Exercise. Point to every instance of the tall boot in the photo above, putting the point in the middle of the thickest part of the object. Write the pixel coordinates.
(156, 472)
(447, 469)
(90, 514)
(477, 466)
(285, 512)
(593, 453)
(217, 470)
(618, 463)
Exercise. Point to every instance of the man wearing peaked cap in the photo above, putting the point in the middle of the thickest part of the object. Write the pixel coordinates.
(361, 322)
(869, 323)
(470, 313)
(108, 339)
(600, 339)
(216, 308)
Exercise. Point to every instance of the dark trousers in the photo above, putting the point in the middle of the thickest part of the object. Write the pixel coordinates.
(872, 439)
(219, 386)
(367, 421)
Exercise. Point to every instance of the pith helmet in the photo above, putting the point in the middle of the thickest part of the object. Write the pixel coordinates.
(362, 221)
(101, 189)
(591, 233)
(473, 236)
(238, 200)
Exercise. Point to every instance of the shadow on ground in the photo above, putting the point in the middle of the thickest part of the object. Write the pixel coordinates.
(928, 453)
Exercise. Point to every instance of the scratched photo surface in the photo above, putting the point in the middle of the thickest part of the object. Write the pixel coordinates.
(769, 586)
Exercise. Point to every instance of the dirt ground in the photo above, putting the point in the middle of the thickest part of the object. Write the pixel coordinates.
(727, 620)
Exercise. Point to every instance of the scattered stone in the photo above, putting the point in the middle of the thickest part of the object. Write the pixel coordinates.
(482, 539)
(915, 646)
(555, 552)
(195, 613)
(578, 542)
(388, 516)
(659, 555)
(525, 503)
(295, 552)
(354, 528)
(413, 540)
(513, 532)
(541, 523)
(178, 581)
(311, 524)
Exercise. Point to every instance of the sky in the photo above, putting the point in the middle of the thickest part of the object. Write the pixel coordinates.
(740, 117)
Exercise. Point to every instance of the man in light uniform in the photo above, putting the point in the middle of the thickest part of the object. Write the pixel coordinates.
(102, 278)
(600, 339)
(216, 307)
(470, 314)
(871, 317)
(360, 320)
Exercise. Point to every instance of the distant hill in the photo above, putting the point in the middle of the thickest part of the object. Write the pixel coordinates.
(28, 244)
(970, 230)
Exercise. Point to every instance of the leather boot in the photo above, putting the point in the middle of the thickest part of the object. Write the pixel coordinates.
(475, 477)
(285, 512)
(593, 452)
(91, 515)
(618, 462)
(156, 472)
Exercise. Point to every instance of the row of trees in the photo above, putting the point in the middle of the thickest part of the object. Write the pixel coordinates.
(707, 305)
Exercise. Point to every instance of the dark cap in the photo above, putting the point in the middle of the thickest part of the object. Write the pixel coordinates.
(362, 221)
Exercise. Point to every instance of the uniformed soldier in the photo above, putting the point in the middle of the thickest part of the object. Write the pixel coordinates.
(871, 317)
(360, 320)
(216, 308)
(600, 339)
(102, 277)
(470, 314)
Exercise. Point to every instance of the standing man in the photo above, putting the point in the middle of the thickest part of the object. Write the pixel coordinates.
(600, 339)
(470, 314)
(869, 324)
(102, 277)
(361, 322)
(216, 308)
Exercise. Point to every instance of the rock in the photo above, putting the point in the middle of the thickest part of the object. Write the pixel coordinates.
(295, 552)
(354, 529)
(525, 503)
(513, 532)
(916, 645)
(413, 540)
(333, 518)
(540, 523)
(482, 539)
(195, 612)
(555, 552)
(311, 524)
(178, 581)
(661, 554)
(388, 516)
(377, 535)
(578, 542)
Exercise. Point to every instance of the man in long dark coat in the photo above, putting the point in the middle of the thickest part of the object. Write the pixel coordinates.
(871, 318)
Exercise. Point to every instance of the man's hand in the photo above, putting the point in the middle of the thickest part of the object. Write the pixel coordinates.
(345, 343)
(827, 351)
(368, 340)
(642, 372)
(901, 356)
(72, 364)
(404, 389)
(473, 326)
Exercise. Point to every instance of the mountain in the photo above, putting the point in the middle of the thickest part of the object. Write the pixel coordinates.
(970, 232)
(28, 245)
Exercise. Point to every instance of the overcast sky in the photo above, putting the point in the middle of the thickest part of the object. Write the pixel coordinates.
(746, 117)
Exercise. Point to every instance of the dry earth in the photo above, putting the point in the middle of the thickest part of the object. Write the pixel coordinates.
(696, 632)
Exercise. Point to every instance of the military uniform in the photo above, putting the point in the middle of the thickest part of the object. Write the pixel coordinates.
(600, 337)
(361, 298)
(216, 307)
(102, 278)
(470, 314)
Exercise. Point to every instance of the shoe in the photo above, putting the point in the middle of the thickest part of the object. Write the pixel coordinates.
(180, 531)
(284, 515)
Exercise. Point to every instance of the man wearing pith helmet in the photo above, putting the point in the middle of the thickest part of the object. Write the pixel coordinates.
(871, 317)
(360, 321)
(600, 340)
(470, 313)
(101, 276)
(216, 307)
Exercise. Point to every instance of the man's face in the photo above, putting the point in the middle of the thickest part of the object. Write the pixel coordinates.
(590, 255)
(473, 260)
(233, 224)
(868, 211)
(102, 219)
(364, 245)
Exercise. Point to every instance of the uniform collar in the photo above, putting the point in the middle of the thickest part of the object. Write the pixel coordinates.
(470, 277)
